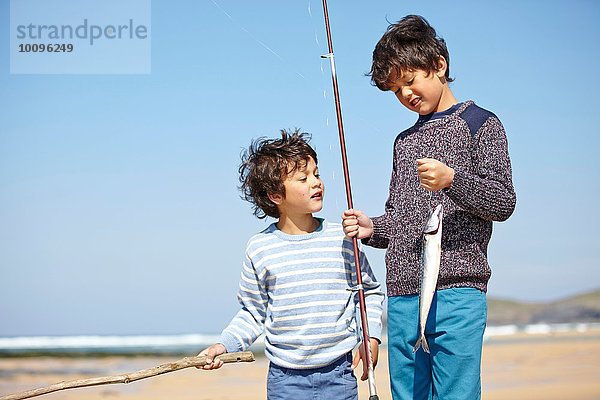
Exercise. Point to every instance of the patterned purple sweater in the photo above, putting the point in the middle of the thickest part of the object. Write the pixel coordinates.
(473, 142)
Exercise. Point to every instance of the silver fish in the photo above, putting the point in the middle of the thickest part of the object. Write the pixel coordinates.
(432, 252)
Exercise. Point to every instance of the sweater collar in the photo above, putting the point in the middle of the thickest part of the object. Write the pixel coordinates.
(286, 236)
(439, 115)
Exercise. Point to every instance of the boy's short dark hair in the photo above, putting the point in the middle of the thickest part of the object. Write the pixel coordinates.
(265, 165)
(409, 44)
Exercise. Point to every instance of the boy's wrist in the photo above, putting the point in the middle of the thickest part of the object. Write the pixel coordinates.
(458, 185)
(450, 178)
(220, 347)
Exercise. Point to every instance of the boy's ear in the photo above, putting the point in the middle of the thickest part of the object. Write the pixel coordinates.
(442, 65)
(276, 198)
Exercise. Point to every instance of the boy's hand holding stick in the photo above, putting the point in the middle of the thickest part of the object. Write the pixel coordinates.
(212, 353)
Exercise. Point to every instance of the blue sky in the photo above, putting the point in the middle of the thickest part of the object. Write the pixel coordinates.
(119, 209)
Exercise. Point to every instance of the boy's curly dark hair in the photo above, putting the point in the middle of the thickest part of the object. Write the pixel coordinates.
(265, 165)
(411, 43)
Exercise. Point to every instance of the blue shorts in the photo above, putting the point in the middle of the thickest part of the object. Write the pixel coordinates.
(454, 332)
(334, 381)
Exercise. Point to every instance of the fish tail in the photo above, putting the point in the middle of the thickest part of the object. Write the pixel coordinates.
(421, 342)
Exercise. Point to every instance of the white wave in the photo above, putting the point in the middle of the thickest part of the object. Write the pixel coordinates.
(539, 329)
(93, 342)
(502, 330)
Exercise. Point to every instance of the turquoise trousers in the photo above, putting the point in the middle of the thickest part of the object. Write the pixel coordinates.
(454, 331)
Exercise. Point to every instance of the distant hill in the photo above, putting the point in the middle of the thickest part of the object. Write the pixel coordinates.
(580, 308)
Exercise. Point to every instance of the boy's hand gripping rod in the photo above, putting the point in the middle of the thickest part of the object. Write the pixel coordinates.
(361, 293)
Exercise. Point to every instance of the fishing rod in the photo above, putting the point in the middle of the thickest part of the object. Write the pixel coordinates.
(359, 287)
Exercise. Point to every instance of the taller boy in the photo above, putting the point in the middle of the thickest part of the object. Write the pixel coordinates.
(456, 154)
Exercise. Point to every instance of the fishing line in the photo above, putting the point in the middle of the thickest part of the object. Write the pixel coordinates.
(332, 137)
(288, 64)
(260, 42)
(322, 88)
(367, 359)
(316, 35)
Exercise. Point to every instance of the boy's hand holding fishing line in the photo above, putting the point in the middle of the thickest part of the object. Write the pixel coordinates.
(434, 175)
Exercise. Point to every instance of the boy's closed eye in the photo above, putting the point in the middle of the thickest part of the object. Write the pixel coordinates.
(399, 88)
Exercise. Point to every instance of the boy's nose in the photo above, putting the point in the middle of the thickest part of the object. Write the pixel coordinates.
(406, 92)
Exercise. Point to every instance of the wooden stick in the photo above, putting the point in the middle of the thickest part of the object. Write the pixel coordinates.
(186, 362)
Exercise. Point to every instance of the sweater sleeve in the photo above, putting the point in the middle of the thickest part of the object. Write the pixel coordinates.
(373, 298)
(248, 323)
(488, 191)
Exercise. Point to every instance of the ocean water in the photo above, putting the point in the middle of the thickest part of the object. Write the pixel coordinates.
(191, 344)
(539, 330)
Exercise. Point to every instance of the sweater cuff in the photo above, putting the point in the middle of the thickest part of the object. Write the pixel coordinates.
(375, 331)
(378, 238)
(231, 343)
(460, 187)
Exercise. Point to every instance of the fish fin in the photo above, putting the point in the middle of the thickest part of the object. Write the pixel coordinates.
(421, 342)
(425, 345)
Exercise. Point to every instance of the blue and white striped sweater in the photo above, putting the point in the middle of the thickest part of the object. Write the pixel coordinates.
(295, 289)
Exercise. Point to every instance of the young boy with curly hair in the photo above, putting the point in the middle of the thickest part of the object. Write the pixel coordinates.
(297, 278)
(455, 154)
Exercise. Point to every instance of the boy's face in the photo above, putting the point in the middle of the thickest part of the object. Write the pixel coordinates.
(422, 91)
(304, 191)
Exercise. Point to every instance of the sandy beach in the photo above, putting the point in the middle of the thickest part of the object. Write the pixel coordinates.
(559, 366)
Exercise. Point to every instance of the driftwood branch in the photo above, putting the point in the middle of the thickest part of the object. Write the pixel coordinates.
(186, 362)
